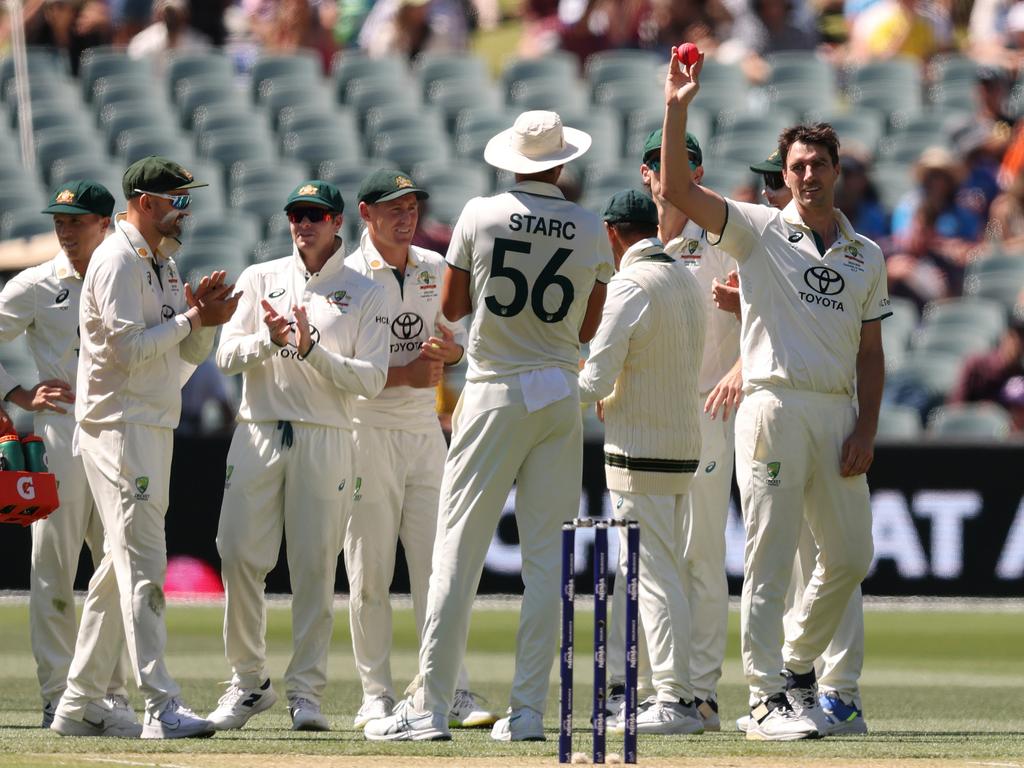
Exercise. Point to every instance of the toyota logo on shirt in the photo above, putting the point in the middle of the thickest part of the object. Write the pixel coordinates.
(407, 325)
(824, 281)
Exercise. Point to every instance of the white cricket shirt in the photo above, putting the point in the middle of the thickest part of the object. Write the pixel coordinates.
(137, 346)
(533, 259)
(43, 301)
(349, 324)
(722, 334)
(802, 311)
(414, 306)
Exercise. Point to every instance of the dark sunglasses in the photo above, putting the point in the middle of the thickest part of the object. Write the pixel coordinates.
(314, 214)
(653, 162)
(178, 202)
(773, 181)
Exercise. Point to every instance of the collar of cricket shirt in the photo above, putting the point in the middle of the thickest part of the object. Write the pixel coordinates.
(375, 261)
(63, 268)
(335, 263)
(642, 249)
(168, 246)
(539, 188)
(845, 231)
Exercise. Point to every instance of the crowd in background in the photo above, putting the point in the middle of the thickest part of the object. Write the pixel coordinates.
(967, 201)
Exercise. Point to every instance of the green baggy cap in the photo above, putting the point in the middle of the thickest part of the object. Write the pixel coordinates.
(387, 184)
(654, 142)
(157, 174)
(76, 197)
(633, 206)
(317, 192)
(772, 164)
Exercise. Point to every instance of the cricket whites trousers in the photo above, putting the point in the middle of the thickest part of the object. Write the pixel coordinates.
(56, 546)
(129, 468)
(496, 441)
(399, 485)
(296, 479)
(707, 588)
(839, 667)
(788, 447)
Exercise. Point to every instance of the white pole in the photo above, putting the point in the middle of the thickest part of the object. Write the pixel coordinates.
(18, 51)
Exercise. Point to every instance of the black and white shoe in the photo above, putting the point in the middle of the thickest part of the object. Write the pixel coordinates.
(802, 691)
(238, 704)
(773, 719)
(176, 721)
(708, 711)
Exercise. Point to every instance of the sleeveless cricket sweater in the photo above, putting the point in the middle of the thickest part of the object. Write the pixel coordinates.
(652, 418)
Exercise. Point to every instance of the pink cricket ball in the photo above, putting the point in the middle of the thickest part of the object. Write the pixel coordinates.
(687, 53)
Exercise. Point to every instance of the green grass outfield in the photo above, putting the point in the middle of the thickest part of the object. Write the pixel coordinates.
(941, 688)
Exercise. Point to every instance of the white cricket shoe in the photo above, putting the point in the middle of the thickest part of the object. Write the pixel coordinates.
(803, 697)
(620, 721)
(670, 717)
(238, 704)
(742, 723)
(523, 724)
(48, 709)
(407, 723)
(843, 719)
(373, 709)
(773, 719)
(613, 706)
(708, 711)
(306, 715)
(176, 721)
(466, 713)
(99, 719)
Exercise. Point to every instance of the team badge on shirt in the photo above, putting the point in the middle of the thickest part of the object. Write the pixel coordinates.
(339, 299)
(141, 486)
(774, 470)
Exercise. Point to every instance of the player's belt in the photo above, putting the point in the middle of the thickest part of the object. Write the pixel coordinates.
(637, 464)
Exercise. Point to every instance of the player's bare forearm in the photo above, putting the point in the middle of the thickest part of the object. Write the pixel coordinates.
(859, 448)
(701, 205)
(592, 318)
(456, 301)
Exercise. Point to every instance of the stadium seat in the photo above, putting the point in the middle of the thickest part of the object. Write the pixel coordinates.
(126, 121)
(923, 380)
(558, 67)
(304, 65)
(199, 257)
(44, 63)
(54, 148)
(960, 94)
(263, 200)
(801, 98)
(976, 421)
(897, 330)
(987, 319)
(641, 122)
(954, 339)
(434, 68)
(24, 222)
(352, 65)
(395, 120)
(892, 180)
(624, 175)
(315, 147)
(475, 178)
(198, 64)
(446, 203)
(200, 97)
(897, 422)
(43, 94)
(239, 227)
(545, 94)
(161, 141)
(997, 262)
(623, 64)
(285, 96)
(744, 148)
(801, 68)
(723, 88)
(347, 176)
(314, 117)
(406, 151)
(266, 171)
(453, 98)
(96, 64)
(725, 176)
(949, 67)
(1003, 287)
(275, 248)
(629, 97)
(901, 71)
(367, 94)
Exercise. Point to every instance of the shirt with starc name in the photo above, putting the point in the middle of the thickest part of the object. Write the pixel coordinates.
(533, 258)
(414, 306)
(137, 346)
(349, 325)
(42, 302)
(803, 309)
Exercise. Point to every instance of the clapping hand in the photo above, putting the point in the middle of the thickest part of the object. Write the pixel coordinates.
(303, 334)
(278, 325)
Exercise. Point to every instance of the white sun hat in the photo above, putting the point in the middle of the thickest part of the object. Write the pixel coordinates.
(536, 142)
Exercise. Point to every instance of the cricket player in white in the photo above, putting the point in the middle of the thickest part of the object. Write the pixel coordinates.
(812, 292)
(840, 666)
(42, 302)
(142, 330)
(643, 367)
(399, 442)
(530, 267)
(291, 465)
(720, 381)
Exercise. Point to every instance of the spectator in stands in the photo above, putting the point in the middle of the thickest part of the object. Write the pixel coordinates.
(205, 404)
(1012, 399)
(129, 17)
(981, 146)
(891, 28)
(984, 376)
(769, 26)
(666, 22)
(410, 27)
(286, 26)
(932, 234)
(1006, 221)
(996, 32)
(169, 33)
(857, 197)
(68, 26)
(207, 17)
